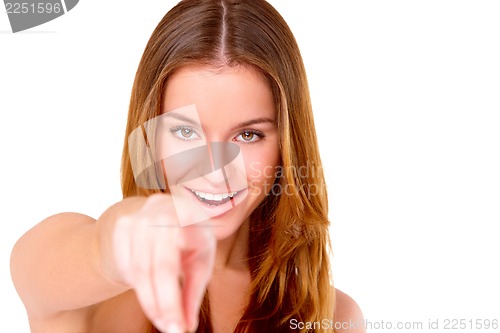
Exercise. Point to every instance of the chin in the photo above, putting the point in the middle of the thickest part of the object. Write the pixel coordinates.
(229, 223)
(226, 225)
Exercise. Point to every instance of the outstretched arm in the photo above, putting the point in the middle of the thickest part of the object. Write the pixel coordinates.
(69, 264)
(57, 268)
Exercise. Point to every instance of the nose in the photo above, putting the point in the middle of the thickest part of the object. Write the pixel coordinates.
(208, 161)
(221, 155)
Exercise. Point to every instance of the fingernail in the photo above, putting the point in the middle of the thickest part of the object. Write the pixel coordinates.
(174, 328)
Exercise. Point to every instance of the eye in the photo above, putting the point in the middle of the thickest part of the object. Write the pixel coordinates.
(184, 133)
(249, 136)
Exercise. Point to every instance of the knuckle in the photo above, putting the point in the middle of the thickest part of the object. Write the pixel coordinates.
(140, 267)
(168, 264)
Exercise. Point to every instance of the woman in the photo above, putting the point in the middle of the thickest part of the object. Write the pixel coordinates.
(223, 226)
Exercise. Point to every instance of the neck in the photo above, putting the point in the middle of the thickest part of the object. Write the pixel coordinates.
(232, 252)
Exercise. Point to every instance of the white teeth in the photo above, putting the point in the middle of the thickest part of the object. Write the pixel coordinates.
(214, 196)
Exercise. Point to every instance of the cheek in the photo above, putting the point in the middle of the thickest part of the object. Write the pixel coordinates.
(262, 168)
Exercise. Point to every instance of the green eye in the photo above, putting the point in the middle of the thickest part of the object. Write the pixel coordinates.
(184, 133)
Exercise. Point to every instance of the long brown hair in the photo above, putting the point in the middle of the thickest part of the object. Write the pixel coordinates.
(289, 242)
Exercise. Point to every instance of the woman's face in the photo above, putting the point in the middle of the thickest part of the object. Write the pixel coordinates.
(218, 141)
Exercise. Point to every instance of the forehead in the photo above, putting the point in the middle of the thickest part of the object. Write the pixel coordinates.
(226, 91)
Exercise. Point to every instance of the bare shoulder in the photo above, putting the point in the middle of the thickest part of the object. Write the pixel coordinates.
(66, 220)
(348, 314)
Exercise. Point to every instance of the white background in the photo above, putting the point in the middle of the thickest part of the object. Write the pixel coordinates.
(407, 101)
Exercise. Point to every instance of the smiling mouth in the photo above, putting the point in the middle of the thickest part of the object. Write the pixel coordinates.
(215, 199)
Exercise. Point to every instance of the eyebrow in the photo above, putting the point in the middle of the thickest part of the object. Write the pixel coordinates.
(240, 125)
(182, 118)
(253, 122)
